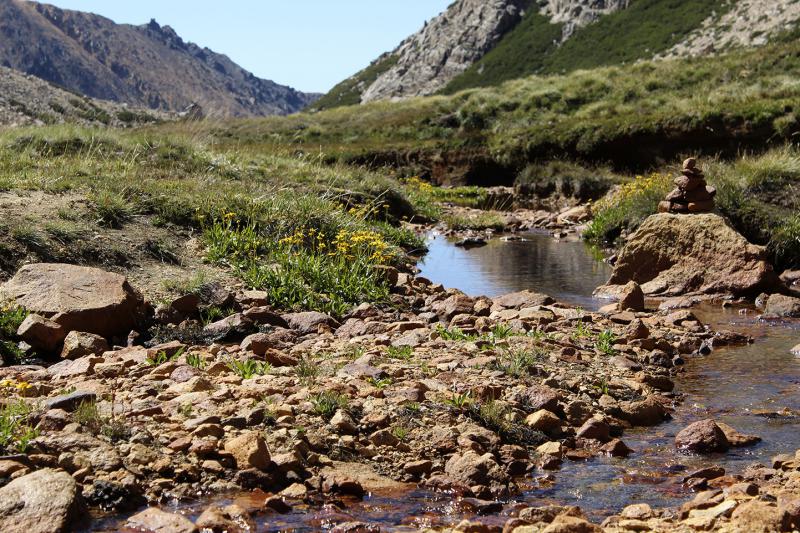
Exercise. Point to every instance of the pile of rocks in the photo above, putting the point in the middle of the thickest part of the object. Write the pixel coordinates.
(692, 194)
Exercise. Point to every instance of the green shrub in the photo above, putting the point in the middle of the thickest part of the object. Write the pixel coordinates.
(626, 208)
(11, 317)
(328, 402)
(15, 431)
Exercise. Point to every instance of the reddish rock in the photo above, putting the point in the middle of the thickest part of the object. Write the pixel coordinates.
(158, 521)
(704, 436)
(78, 298)
(522, 299)
(631, 297)
(782, 306)
(671, 255)
(41, 333)
(80, 344)
(310, 322)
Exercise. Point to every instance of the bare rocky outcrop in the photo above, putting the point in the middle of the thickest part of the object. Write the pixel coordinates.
(577, 13)
(78, 298)
(747, 23)
(671, 255)
(447, 46)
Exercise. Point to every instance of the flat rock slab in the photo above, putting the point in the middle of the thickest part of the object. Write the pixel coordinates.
(673, 255)
(78, 298)
(45, 501)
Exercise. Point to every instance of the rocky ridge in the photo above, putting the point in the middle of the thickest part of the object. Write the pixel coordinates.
(748, 23)
(451, 42)
(147, 66)
(26, 100)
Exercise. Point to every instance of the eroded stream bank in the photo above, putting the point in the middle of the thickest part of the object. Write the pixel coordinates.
(752, 388)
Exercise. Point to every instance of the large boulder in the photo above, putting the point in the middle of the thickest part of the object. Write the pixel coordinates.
(704, 436)
(45, 501)
(671, 255)
(779, 305)
(78, 298)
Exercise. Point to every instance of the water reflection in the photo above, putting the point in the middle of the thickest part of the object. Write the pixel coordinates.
(564, 270)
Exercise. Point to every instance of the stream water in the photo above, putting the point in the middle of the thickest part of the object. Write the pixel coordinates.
(753, 388)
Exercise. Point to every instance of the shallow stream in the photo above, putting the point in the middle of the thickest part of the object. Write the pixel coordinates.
(754, 389)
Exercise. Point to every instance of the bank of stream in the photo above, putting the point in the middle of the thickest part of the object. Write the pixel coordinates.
(752, 388)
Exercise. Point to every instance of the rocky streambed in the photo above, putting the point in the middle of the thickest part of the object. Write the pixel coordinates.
(443, 410)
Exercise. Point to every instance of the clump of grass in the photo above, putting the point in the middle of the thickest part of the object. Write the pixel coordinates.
(306, 370)
(517, 363)
(15, 431)
(329, 267)
(379, 383)
(111, 209)
(328, 402)
(11, 317)
(162, 357)
(161, 250)
(605, 342)
(785, 243)
(454, 334)
(626, 208)
(65, 232)
(88, 415)
(189, 285)
(195, 360)
(249, 368)
(403, 353)
(495, 415)
(460, 400)
(29, 237)
(400, 432)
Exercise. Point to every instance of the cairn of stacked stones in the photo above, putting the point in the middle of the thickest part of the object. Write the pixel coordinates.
(692, 194)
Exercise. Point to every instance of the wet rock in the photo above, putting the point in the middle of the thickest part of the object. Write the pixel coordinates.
(471, 469)
(45, 501)
(471, 242)
(418, 468)
(80, 344)
(228, 519)
(78, 298)
(595, 429)
(356, 527)
(782, 306)
(796, 351)
(736, 439)
(674, 255)
(616, 448)
(647, 412)
(631, 297)
(249, 450)
(704, 436)
(155, 520)
(41, 333)
(310, 322)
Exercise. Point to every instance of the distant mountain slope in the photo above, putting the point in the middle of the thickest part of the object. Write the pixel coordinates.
(28, 100)
(146, 65)
(554, 36)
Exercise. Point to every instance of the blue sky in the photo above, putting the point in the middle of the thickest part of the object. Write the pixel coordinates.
(308, 44)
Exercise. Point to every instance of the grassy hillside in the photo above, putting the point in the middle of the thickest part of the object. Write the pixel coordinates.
(349, 91)
(522, 52)
(631, 115)
(171, 206)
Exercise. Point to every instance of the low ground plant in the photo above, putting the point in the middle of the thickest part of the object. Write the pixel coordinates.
(249, 368)
(328, 402)
(15, 430)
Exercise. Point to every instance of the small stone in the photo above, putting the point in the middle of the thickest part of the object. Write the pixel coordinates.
(631, 297)
(595, 429)
(158, 521)
(79, 344)
(249, 450)
(544, 421)
(41, 333)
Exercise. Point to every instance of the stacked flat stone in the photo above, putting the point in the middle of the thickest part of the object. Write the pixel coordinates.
(692, 195)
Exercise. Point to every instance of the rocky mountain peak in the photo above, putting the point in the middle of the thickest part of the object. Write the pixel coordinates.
(446, 47)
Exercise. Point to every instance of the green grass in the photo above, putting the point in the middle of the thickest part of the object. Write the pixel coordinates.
(477, 221)
(249, 368)
(757, 193)
(620, 114)
(326, 403)
(11, 317)
(521, 52)
(15, 431)
(644, 29)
